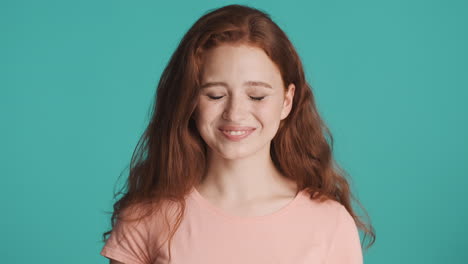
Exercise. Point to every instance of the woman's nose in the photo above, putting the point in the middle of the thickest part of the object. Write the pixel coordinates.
(235, 109)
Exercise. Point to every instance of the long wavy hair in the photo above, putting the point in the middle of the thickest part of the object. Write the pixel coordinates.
(170, 157)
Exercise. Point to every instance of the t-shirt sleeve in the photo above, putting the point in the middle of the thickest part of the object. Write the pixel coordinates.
(128, 243)
(345, 247)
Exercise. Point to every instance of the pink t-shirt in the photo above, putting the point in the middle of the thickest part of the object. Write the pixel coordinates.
(302, 232)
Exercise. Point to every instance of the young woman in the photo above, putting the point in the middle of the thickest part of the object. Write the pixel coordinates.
(234, 166)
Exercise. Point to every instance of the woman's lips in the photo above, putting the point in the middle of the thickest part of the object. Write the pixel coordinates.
(239, 133)
(236, 128)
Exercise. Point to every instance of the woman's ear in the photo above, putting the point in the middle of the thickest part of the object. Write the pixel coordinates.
(288, 101)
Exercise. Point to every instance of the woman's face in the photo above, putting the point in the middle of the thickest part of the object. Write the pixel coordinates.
(241, 91)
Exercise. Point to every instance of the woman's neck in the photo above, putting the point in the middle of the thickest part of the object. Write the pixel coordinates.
(245, 179)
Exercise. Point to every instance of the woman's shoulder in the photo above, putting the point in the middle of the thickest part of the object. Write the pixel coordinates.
(322, 207)
(149, 216)
(140, 227)
(320, 200)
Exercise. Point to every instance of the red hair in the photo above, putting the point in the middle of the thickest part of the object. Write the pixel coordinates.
(170, 157)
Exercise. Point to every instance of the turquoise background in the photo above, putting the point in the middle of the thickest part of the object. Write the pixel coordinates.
(78, 78)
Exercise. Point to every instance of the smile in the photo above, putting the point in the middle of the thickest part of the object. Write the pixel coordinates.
(236, 135)
(235, 132)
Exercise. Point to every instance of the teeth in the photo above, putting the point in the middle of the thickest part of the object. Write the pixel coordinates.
(235, 133)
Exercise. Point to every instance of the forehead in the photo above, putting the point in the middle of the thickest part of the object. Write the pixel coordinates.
(239, 64)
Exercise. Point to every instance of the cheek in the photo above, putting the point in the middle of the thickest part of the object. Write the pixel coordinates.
(270, 111)
(205, 113)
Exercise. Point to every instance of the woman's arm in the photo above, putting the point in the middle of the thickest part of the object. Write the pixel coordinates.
(346, 246)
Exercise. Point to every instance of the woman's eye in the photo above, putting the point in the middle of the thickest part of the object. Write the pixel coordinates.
(257, 98)
(251, 97)
(215, 97)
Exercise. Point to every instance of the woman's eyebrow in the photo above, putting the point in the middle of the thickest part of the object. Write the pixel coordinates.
(247, 83)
